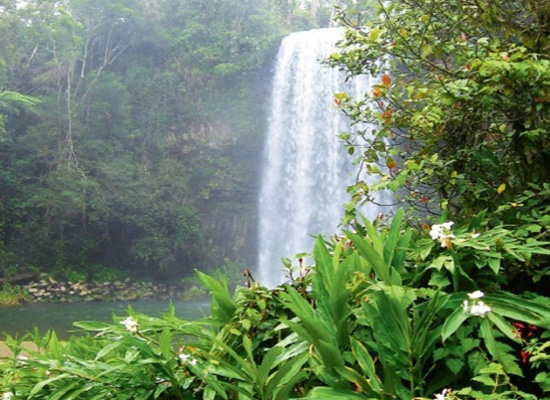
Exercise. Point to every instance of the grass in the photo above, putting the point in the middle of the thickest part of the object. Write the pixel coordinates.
(13, 295)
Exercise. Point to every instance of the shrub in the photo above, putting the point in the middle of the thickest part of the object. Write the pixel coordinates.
(382, 315)
(12, 295)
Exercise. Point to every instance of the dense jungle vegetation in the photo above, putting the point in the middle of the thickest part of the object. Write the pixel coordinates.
(131, 131)
(448, 299)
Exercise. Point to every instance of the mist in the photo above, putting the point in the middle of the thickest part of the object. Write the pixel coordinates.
(131, 133)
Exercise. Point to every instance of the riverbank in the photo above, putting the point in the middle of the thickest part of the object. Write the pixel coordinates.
(5, 351)
(49, 290)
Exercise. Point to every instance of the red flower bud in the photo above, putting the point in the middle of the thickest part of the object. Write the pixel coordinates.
(525, 357)
(518, 325)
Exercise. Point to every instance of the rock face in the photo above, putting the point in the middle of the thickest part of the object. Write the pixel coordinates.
(48, 290)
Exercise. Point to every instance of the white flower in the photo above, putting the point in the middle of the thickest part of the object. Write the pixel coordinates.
(186, 358)
(447, 225)
(130, 324)
(442, 232)
(480, 309)
(7, 395)
(478, 294)
(21, 360)
(435, 231)
(442, 395)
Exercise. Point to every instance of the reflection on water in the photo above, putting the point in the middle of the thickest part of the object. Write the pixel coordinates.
(20, 319)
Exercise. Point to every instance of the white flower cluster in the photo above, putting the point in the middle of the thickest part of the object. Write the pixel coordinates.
(186, 358)
(478, 307)
(7, 395)
(442, 232)
(443, 394)
(130, 324)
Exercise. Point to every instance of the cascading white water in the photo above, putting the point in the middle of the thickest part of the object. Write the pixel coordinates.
(307, 169)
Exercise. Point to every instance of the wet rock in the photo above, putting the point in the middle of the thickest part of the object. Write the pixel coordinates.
(50, 290)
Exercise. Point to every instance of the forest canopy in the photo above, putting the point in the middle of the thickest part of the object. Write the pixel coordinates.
(131, 131)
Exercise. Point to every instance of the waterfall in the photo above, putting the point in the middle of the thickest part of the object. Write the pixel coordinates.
(306, 168)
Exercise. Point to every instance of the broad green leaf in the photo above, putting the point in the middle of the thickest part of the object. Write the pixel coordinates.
(326, 393)
(222, 306)
(107, 349)
(374, 33)
(92, 325)
(485, 379)
(489, 339)
(268, 362)
(375, 260)
(358, 380)
(111, 369)
(504, 326)
(426, 50)
(495, 349)
(543, 379)
(64, 390)
(401, 251)
(54, 347)
(75, 394)
(366, 363)
(453, 322)
(165, 343)
(288, 374)
(454, 364)
(494, 264)
(42, 384)
(516, 308)
(390, 244)
(374, 238)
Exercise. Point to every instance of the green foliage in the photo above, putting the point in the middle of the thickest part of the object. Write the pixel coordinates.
(451, 310)
(367, 329)
(460, 108)
(460, 119)
(12, 295)
(129, 132)
(137, 358)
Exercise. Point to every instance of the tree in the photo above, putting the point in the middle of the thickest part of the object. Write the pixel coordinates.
(460, 116)
(141, 151)
(461, 107)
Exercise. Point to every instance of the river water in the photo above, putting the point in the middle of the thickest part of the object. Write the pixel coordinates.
(60, 317)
